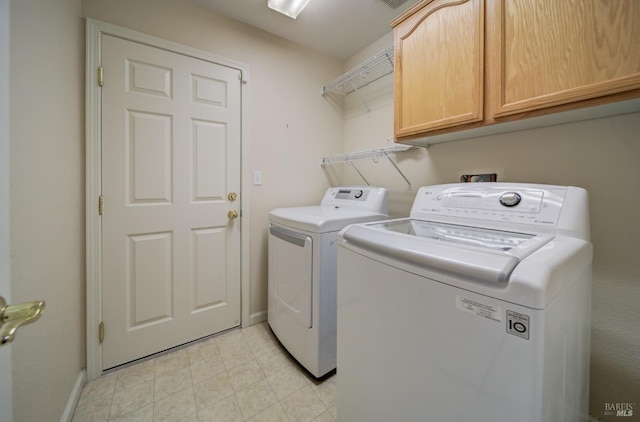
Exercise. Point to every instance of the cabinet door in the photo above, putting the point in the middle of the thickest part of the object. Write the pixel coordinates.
(439, 66)
(552, 52)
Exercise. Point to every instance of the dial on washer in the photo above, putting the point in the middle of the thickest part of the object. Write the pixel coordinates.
(510, 199)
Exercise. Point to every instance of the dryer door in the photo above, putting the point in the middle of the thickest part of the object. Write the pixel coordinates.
(290, 275)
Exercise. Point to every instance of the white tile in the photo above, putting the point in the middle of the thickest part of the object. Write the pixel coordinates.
(142, 414)
(303, 405)
(167, 384)
(274, 361)
(212, 390)
(203, 350)
(175, 407)
(231, 339)
(191, 418)
(326, 391)
(287, 381)
(99, 389)
(260, 339)
(92, 411)
(172, 362)
(334, 412)
(245, 374)
(274, 413)
(255, 398)
(324, 417)
(225, 410)
(207, 368)
(136, 374)
(235, 354)
(129, 399)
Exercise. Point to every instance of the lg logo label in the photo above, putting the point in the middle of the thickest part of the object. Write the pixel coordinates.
(518, 324)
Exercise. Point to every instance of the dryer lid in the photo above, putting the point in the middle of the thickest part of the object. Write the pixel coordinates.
(474, 252)
(322, 218)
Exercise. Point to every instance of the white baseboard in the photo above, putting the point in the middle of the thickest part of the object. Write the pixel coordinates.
(74, 397)
(257, 318)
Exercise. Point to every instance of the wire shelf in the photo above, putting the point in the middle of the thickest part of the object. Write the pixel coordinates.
(362, 75)
(374, 154)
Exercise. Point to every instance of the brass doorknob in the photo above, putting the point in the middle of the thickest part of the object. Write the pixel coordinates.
(233, 214)
(232, 196)
(14, 316)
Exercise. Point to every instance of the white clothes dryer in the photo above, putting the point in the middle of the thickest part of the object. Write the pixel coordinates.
(302, 271)
(476, 308)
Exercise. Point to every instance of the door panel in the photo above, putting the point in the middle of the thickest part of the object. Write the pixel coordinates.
(149, 154)
(149, 279)
(170, 155)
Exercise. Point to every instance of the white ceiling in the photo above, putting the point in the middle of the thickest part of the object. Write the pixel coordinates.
(338, 28)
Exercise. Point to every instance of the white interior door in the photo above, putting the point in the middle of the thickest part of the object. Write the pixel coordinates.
(170, 158)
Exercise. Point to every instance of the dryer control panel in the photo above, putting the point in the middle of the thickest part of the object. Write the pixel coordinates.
(361, 197)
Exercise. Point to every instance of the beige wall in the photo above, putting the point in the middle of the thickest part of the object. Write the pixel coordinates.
(47, 201)
(290, 126)
(601, 155)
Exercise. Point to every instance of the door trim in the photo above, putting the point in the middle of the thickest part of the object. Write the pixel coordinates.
(94, 32)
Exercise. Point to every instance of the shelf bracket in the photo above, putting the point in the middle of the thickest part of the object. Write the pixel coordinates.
(397, 168)
(375, 154)
(359, 172)
(355, 89)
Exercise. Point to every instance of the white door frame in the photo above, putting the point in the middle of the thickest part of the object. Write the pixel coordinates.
(95, 31)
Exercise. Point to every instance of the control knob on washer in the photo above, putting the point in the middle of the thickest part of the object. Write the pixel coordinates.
(510, 199)
(358, 194)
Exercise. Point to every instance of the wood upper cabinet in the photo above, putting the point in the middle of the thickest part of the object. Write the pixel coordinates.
(468, 63)
(439, 66)
(551, 52)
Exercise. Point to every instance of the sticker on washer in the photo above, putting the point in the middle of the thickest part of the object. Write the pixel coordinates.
(518, 324)
(493, 313)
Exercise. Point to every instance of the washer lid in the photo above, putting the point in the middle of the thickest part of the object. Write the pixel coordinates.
(322, 218)
(473, 252)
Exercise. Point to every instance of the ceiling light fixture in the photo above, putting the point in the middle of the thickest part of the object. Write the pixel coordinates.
(291, 8)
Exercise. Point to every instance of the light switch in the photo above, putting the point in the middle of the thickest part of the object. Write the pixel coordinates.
(257, 178)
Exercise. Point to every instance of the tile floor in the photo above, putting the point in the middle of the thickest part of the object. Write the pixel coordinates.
(242, 375)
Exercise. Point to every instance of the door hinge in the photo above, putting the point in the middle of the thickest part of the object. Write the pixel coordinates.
(101, 332)
(100, 76)
(100, 205)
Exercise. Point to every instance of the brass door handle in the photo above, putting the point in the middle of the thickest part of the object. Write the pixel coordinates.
(13, 317)
(233, 214)
(232, 196)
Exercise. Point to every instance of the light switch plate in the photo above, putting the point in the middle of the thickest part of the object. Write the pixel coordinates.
(257, 178)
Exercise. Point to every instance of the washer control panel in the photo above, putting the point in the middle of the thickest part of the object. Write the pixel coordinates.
(537, 205)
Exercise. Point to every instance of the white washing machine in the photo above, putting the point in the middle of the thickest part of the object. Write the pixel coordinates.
(475, 308)
(302, 271)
